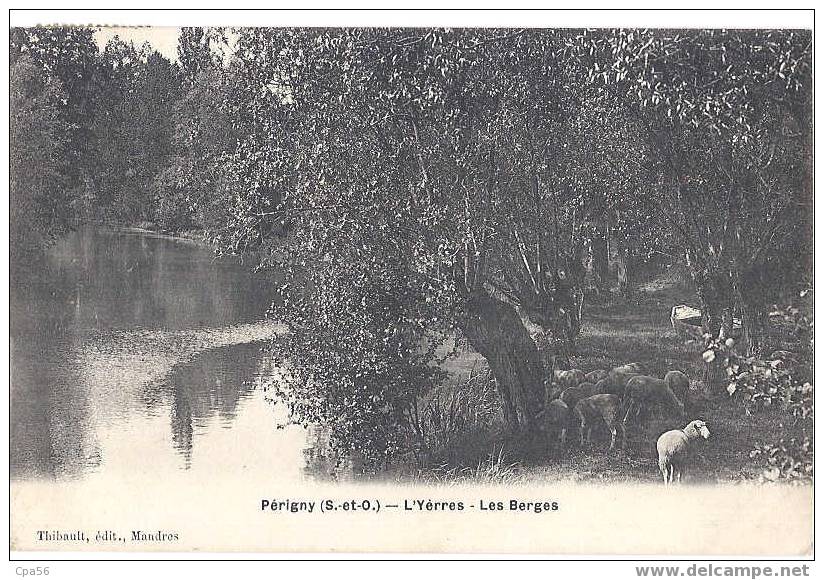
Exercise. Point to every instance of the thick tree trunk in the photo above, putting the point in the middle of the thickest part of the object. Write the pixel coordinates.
(754, 325)
(752, 332)
(712, 311)
(495, 330)
(713, 287)
(727, 323)
(600, 263)
(749, 292)
(617, 257)
(621, 273)
(596, 265)
(557, 313)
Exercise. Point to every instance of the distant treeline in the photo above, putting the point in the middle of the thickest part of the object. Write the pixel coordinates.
(101, 134)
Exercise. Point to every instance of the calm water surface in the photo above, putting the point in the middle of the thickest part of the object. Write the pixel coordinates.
(134, 352)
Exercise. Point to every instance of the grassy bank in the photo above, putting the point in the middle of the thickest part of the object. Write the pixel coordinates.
(617, 331)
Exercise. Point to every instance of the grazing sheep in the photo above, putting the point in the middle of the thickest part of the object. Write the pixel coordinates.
(596, 408)
(570, 378)
(673, 449)
(554, 421)
(634, 367)
(571, 395)
(616, 380)
(642, 390)
(602, 387)
(679, 383)
(595, 376)
(552, 392)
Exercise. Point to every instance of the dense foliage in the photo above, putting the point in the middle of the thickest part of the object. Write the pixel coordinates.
(726, 117)
(39, 161)
(781, 382)
(414, 186)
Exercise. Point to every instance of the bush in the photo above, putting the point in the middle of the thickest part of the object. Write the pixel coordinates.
(356, 358)
(788, 459)
(782, 382)
(782, 378)
(762, 383)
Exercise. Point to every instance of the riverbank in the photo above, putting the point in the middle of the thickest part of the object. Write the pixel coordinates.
(196, 237)
(615, 331)
(133, 357)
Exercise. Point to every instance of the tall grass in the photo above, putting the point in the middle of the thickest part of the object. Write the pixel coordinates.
(453, 422)
(495, 468)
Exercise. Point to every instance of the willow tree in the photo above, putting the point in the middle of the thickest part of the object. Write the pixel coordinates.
(410, 184)
(726, 117)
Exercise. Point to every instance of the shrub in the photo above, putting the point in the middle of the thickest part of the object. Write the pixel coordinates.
(787, 459)
(781, 381)
(356, 358)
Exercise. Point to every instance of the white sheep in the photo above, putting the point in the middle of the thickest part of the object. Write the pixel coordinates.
(673, 449)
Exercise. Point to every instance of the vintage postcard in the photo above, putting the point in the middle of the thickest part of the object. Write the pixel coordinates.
(478, 288)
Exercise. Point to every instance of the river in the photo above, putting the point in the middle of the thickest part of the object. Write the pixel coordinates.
(138, 353)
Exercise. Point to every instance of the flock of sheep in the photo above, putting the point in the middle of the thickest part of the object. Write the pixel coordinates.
(617, 398)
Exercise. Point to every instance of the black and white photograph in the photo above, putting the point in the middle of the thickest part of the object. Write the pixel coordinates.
(415, 289)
